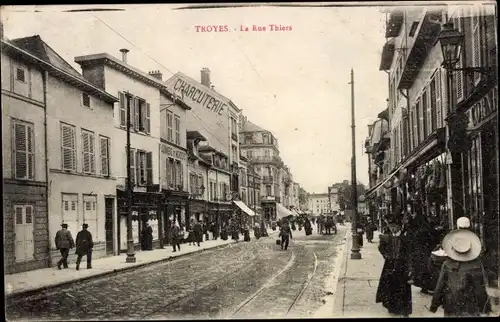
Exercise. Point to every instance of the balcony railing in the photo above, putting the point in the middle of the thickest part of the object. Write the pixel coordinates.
(267, 179)
(267, 159)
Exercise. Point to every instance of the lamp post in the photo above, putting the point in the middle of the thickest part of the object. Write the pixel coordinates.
(130, 238)
(355, 254)
(451, 41)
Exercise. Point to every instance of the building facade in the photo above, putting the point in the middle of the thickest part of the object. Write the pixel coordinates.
(446, 163)
(25, 199)
(144, 94)
(261, 149)
(319, 204)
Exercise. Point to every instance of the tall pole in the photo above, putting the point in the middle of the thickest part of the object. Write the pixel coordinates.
(355, 254)
(130, 238)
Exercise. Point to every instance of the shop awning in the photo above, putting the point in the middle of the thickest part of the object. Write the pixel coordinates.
(295, 211)
(244, 208)
(381, 184)
(282, 212)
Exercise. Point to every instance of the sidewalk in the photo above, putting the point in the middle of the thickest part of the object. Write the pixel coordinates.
(37, 280)
(358, 282)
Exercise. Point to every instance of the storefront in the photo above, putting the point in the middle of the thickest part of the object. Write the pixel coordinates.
(480, 176)
(246, 214)
(146, 207)
(220, 212)
(175, 205)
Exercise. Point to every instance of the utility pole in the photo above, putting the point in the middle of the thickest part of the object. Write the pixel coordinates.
(130, 238)
(355, 254)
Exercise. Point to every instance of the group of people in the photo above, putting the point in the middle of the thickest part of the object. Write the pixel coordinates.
(444, 264)
(84, 245)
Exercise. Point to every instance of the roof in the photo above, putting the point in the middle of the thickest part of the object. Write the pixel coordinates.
(251, 127)
(116, 63)
(36, 46)
(38, 53)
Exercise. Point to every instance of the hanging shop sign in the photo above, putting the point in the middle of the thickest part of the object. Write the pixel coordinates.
(483, 109)
(172, 152)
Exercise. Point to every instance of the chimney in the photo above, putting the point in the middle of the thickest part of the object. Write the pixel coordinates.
(156, 74)
(124, 54)
(205, 77)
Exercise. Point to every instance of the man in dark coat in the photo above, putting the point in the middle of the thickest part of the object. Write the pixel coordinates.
(147, 237)
(198, 232)
(64, 242)
(370, 227)
(394, 289)
(419, 233)
(285, 234)
(84, 245)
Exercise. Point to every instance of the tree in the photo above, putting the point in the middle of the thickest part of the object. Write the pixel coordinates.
(303, 198)
(345, 195)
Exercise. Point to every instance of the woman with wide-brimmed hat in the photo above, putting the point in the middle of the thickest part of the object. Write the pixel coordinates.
(461, 287)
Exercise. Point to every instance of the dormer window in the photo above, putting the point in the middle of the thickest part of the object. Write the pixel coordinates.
(85, 100)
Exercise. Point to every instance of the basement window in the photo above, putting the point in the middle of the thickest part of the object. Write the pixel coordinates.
(85, 100)
(413, 28)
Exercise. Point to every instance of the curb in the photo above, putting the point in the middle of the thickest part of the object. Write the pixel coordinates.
(15, 295)
(335, 276)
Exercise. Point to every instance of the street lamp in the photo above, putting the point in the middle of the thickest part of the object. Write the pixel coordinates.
(452, 42)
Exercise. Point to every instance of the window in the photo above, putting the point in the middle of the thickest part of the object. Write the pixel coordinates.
(23, 150)
(476, 42)
(142, 112)
(265, 138)
(431, 108)
(268, 190)
(177, 130)
(144, 168)
(90, 214)
(415, 126)
(267, 153)
(234, 126)
(250, 154)
(88, 152)
(68, 147)
(85, 100)
(248, 138)
(123, 108)
(20, 75)
(70, 215)
(192, 180)
(170, 135)
(419, 121)
(198, 186)
(170, 173)
(104, 144)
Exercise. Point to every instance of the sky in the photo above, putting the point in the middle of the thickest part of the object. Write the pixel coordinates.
(294, 83)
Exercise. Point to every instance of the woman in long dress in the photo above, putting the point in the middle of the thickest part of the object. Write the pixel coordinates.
(394, 290)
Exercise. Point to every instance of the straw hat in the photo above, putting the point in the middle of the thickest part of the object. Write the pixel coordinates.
(462, 245)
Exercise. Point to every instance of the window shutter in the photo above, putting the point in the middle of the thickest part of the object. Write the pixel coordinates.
(147, 123)
(181, 175)
(20, 148)
(137, 114)
(91, 152)
(31, 154)
(123, 109)
(104, 156)
(68, 148)
(138, 167)
(132, 165)
(86, 152)
(439, 107)
(149, 168)
(476, 43)
(430, 103)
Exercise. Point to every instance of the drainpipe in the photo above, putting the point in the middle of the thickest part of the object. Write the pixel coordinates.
(45, 76)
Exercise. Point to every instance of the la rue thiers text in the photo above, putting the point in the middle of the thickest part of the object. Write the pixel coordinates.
(226, 28)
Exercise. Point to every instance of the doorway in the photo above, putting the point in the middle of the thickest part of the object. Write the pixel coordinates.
(108, 225)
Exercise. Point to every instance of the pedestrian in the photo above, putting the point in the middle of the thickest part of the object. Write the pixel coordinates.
(461, 286)
(64, 242)
(394, 290)
(84, 246)
(215, 230)
(198, 232)
(370, 228)
(191, 238)
(246, 232)
(206, 228)
(147, 237)
(307, 227)
(285, 234)
(256, 230)
(223, 232)
(420, 235)
(177, 234)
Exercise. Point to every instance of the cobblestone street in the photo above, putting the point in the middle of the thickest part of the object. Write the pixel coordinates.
(254, 279)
